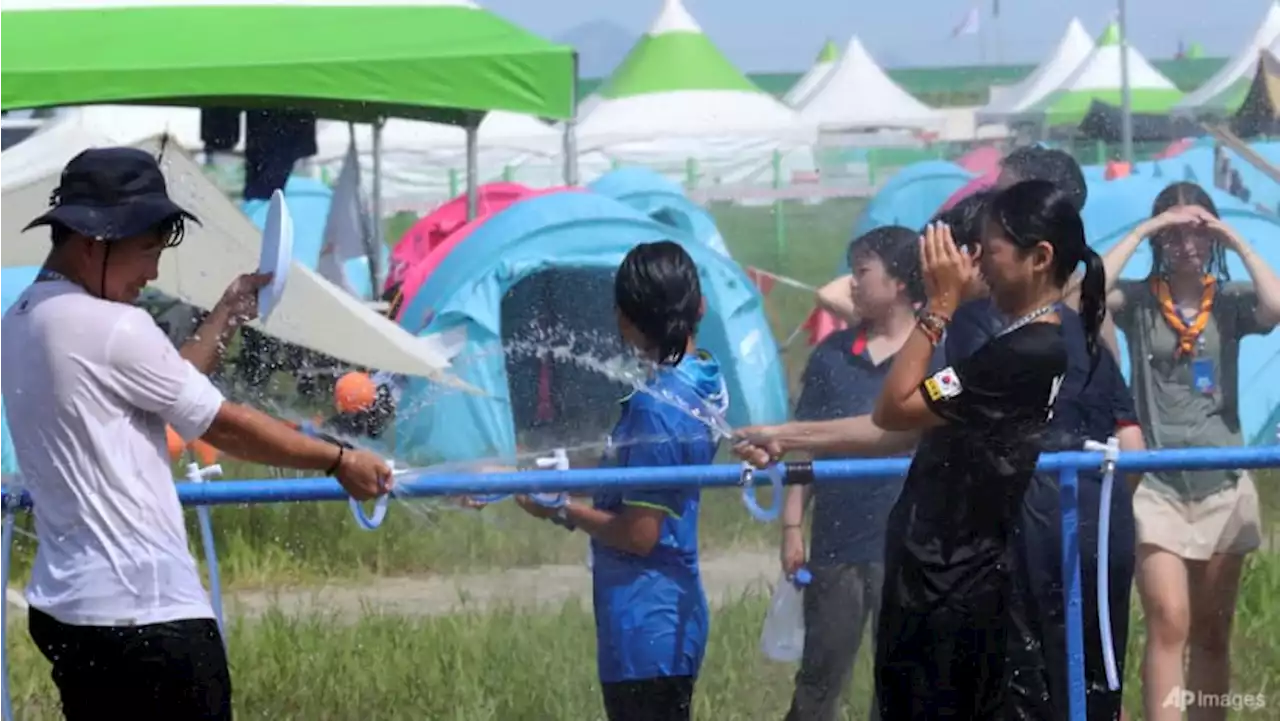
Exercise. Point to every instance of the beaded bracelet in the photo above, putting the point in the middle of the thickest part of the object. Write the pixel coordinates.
(933, 325)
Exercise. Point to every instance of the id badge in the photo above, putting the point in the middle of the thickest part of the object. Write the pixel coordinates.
(1202, 375)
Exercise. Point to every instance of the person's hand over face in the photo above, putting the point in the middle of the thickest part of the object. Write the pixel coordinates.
(949, 272)
(364, 475)
(241, 297)
(1175, 216)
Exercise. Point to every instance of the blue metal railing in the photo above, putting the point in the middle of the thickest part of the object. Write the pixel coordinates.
(426, 483)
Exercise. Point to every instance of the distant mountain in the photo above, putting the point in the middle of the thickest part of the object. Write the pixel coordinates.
(601, 45)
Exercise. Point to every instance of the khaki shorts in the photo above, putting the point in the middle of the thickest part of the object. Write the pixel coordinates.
(1226, 522)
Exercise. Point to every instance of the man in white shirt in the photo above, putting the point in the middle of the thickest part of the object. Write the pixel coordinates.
(89, 382)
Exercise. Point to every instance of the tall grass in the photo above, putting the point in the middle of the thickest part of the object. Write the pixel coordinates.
(539, 666)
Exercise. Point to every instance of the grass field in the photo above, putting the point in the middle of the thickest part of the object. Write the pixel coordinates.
(512, 666)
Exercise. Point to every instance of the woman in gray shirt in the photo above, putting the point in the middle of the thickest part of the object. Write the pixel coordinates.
(1183, 325)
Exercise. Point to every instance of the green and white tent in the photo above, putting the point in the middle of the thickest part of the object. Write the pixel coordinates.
(426, 59)
(675, 82)
(1072, 49)
(1223, 93)
(1098, 78)
(858, 95)
(812, 79)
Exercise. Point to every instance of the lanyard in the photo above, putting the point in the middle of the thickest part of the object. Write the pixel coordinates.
(1030, 317)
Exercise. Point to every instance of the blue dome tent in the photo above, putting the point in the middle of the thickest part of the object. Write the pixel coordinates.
(309, 202)
(912, 195)
(1116, 207)
(553, 257)
(660, 199)
(12, 282)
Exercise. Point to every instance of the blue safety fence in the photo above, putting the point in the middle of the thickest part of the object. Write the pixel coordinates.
(425, 483)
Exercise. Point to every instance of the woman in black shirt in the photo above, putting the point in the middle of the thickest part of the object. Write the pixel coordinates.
(943, 619)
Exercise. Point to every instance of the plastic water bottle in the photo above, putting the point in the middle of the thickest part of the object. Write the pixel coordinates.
(782, 638)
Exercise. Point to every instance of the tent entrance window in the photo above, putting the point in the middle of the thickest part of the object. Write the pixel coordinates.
(555, 402)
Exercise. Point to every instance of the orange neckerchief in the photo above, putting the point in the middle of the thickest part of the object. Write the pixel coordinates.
(1187, 334)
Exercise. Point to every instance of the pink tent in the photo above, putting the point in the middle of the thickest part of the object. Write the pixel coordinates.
(981, 160)
(1174, 149)
(980, 183)
(432, 229)
(425, 265)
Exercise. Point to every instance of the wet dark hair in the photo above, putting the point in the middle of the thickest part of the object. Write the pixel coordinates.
(658, 290)
(966, 218)
(1035, 211)
(1033, 162)
(898, 248)
(1184, 193)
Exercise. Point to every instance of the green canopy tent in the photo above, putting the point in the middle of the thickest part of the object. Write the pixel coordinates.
(426, 59)
(438, 60)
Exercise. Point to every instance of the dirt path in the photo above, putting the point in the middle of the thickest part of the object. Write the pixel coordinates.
(725, 576)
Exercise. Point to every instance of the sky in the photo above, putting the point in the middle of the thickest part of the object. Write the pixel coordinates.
(774, 35)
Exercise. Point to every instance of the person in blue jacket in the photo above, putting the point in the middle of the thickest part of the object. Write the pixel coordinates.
(650, 609)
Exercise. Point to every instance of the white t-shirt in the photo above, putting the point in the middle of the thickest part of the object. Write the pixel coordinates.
(88, 387)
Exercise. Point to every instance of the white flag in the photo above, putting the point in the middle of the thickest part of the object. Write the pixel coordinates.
(970, 25)
(346, 231)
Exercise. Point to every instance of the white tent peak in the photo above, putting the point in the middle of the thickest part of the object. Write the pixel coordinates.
(1075, 46)
(857, 93)
(1240, 66)
(1101, 70)
(674, 18)
(812, 79)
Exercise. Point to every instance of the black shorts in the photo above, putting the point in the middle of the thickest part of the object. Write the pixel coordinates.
(1037, 642)
(666, 698)
(175, 670)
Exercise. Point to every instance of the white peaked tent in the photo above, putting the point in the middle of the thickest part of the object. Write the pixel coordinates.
(1236, 73)
(313, 312)
(420, 159)
(1073, 49)
(675, 85)
(858, 94)
(127, 124)
(812, 80)
(1098, 78)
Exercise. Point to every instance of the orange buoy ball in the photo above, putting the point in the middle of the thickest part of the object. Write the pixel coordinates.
(354, 392)
(174, 441)
(205, 453)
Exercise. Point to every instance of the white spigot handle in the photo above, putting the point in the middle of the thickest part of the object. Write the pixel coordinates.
(1110, 451)
(558, 460)
(196, 474)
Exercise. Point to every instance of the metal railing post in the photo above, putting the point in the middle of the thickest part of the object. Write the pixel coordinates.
(1072, 597)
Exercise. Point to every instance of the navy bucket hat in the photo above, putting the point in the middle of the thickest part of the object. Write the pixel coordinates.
(111, 194)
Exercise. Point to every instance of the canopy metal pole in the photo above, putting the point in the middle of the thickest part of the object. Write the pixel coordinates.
(473, 159)
(1126, 100)
(376, 200)
(571, 134)
(367, 238)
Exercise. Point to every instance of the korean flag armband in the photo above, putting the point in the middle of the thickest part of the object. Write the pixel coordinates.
(943, 385)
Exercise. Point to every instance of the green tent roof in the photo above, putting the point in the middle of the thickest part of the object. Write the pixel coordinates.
(674, 55)
(426, 60)
(829, 53)
(1110, 36)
